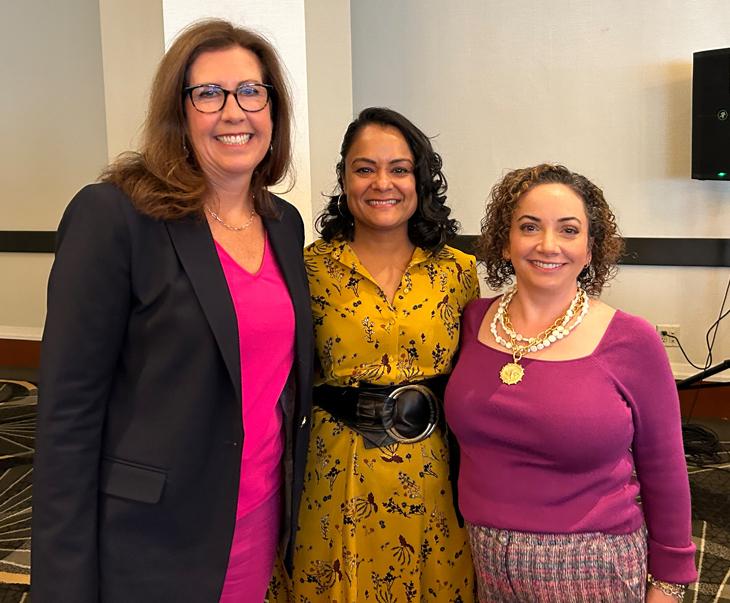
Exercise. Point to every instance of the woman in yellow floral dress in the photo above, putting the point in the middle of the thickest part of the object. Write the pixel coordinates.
(377, 520)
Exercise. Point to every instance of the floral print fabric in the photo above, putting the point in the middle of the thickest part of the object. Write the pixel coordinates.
(379, 524)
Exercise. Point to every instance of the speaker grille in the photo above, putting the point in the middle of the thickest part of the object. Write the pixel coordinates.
(711, 115)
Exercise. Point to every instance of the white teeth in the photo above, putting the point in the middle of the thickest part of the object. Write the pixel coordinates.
(386, 202)
(237, 139)
(545, 265)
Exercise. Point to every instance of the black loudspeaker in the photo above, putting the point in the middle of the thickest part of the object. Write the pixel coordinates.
(711, 115)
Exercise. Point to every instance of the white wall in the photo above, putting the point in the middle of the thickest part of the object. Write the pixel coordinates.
(52, 113)
(604, 88)
(108, 50)
(53, 136)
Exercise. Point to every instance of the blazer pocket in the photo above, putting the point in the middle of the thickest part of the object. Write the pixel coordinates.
(132, 481)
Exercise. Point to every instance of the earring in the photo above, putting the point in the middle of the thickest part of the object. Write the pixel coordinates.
(185, 146)
(339, 205)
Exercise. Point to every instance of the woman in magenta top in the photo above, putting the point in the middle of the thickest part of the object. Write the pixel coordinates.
(177, 363)
(556, 400)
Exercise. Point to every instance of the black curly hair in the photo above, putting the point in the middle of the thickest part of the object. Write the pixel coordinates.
(607, 244)
(430, 226)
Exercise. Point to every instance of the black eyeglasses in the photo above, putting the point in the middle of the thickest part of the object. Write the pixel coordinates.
(211, 98)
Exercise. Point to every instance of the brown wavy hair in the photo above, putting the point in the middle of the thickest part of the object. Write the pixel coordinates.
(607, 243)
(165, 180)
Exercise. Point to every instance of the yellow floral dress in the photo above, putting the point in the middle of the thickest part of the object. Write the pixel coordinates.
(379, 524)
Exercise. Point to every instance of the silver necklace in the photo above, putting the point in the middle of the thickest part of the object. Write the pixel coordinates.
(228, 226)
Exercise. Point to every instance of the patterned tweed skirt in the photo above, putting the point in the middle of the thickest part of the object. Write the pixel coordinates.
(519, 567)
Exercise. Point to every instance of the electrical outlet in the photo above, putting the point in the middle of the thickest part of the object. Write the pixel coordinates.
(666, 332)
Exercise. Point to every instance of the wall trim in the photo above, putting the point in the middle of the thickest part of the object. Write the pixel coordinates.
(21, 333)
(27, 241)
(648, 251)
(640, 251)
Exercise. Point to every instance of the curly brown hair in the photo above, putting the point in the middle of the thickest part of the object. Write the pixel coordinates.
(607, 243)
(165, 180)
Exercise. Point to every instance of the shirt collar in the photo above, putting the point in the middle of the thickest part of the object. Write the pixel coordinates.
(339, 249)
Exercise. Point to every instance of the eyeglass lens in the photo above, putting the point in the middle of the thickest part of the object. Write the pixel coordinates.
(250, 97)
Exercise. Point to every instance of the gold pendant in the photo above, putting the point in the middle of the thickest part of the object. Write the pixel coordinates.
(511, 373)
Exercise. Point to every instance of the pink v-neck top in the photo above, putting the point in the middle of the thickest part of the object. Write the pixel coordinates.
(266, 338)
(555, 453)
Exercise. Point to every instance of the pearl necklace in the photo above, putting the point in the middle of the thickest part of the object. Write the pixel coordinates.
(512, 372)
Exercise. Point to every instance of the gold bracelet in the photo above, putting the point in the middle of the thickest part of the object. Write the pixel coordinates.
(668, 588)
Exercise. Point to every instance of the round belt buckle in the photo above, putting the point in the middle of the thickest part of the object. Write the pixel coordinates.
(389, 407)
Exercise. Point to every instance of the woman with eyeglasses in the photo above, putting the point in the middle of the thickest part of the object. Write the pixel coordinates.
(377, 520)
(177, 355)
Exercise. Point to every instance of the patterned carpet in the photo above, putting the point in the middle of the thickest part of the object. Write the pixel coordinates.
(710, 503)
(710, 489)
(17, 429)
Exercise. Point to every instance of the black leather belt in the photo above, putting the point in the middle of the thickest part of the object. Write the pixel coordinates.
(385, 415)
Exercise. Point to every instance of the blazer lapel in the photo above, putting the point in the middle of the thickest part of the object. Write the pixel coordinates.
(195, 247)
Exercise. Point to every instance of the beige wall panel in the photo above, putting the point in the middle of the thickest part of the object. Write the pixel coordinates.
(23, 294)
(52, 125)
(329, 85)
(133, 43)
(53, 133)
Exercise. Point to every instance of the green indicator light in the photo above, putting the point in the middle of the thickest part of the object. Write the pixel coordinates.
(721, 174)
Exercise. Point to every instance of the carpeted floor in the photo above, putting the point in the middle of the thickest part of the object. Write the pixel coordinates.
(710, 487)
(17, 429)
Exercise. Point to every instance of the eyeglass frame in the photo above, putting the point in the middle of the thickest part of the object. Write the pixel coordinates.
(188, 91)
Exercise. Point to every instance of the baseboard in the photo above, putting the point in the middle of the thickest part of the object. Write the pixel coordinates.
(21, 333)
(709, 401)
(20, 353)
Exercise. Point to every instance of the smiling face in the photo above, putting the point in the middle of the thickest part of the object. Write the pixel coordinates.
(379, 181)
(548, 243)
(229, 144)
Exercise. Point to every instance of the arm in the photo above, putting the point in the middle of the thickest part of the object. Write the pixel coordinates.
(88, 306)
(654, 595)
(658, 453)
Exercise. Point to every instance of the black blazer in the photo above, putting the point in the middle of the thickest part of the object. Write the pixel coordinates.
(140, 432)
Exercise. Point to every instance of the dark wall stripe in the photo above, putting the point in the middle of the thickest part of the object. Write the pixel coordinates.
(678, 252)
(27, 241)
(713, 253)
(639, 251)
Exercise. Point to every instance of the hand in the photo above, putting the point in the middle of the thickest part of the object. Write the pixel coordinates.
(654, 595)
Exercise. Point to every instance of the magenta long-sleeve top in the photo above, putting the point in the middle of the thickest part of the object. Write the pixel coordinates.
(556, 452)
